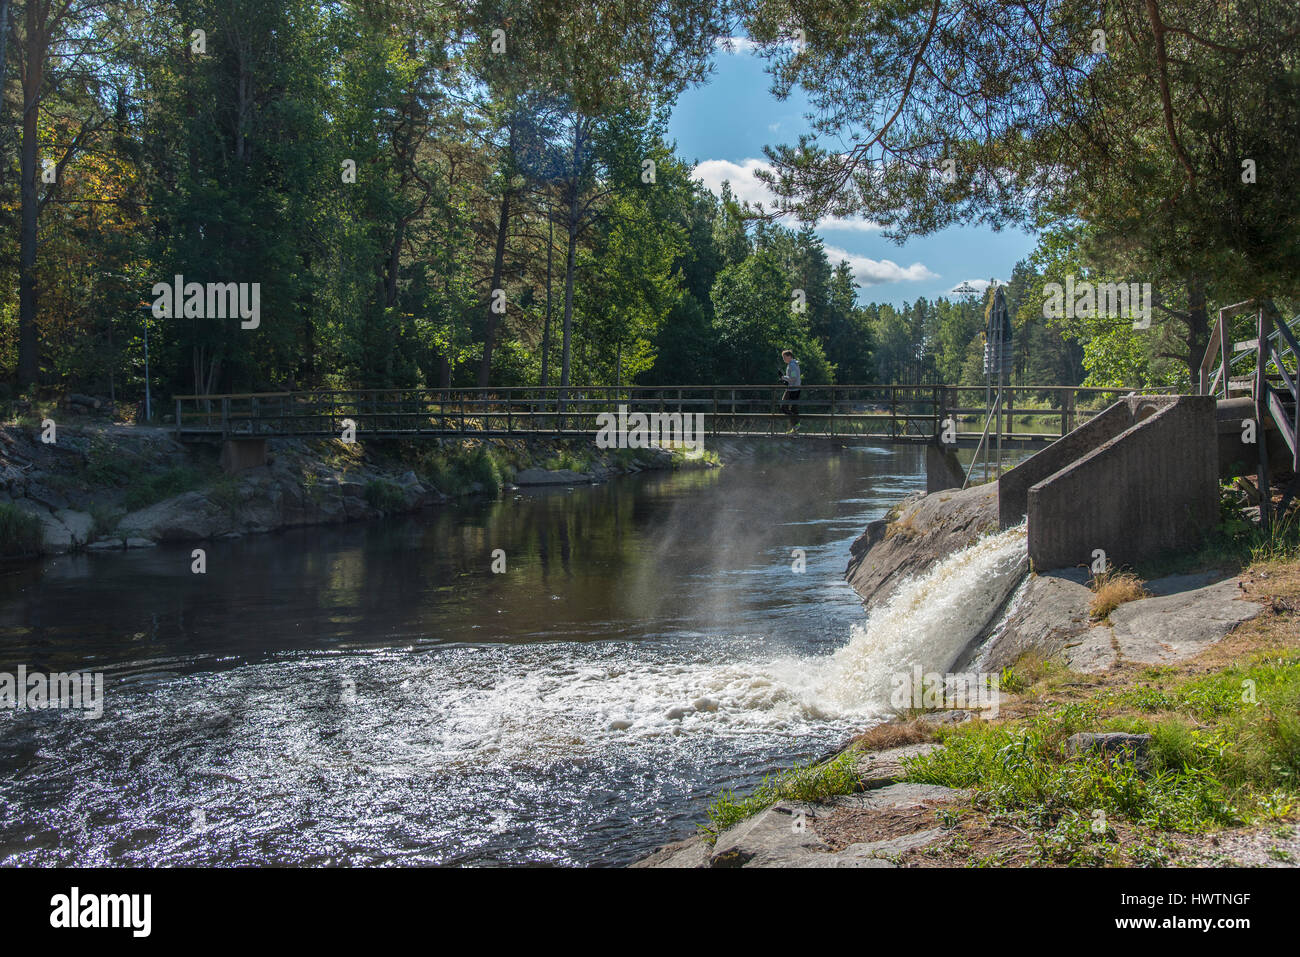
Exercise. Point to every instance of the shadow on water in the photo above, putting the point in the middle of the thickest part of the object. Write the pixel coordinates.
(376, 694)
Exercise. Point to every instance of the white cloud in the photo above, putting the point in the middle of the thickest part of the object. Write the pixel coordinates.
(866, 272)
(743, 46)
(875, 272)
(747, 187)
(713, 173)
(737, 45)
(848, 225)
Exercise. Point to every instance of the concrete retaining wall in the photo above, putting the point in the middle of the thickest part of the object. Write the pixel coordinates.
(1013, 487)
(240, 454)
(1150, 489)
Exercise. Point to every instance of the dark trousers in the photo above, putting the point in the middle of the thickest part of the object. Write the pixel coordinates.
(791, 410)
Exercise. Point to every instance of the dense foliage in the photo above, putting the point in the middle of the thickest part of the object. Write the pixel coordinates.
(433, 193)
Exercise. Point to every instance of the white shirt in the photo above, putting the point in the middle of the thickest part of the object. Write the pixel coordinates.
(792, 374)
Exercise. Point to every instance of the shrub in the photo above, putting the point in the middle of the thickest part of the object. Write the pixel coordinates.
(455, 471)
(161, 485)
(1112, 589)
(385, 496)
(482, 468)
(104, 465)
(105, 517)
(225, 492)
(570, 460)
(21, 534)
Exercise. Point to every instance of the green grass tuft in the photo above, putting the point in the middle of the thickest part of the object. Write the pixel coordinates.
(810, 782)
(21, 534)
(385, 496)
(149, 489)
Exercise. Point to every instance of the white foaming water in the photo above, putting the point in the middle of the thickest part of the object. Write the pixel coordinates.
(529, 704)
(928, 623)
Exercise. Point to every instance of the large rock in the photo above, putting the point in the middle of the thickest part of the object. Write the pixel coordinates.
(1047, 614)
(901, 795)
(1111, 744)
(551, 477)
(44, 495)
(914, 535)
(80, 524)
(1177, 623)
(785, 835)
(877, 769)
(1177, 626)
(185, 518)
(775, 835)
(692, 852)
(56, 536)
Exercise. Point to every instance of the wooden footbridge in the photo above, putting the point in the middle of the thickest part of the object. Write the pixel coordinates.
(1032, 417)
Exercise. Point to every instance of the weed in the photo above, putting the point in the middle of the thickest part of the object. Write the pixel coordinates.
(385, 496)
(807, 783)
(1113, 588)
(147, 490)
(21, 533)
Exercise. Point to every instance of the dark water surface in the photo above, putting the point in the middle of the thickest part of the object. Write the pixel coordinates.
(374, 694)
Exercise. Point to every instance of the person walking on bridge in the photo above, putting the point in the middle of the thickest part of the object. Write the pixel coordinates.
(792, 383)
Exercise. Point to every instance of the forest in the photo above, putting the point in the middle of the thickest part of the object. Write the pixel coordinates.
(477, 194)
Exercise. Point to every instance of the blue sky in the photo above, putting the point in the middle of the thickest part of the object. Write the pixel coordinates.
(723, 126)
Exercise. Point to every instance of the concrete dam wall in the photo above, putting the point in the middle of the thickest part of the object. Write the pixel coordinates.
(1140, 479)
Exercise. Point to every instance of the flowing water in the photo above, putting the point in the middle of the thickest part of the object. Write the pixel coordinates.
(376, 694)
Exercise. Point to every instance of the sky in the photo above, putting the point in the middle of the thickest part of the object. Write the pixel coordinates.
(722, 127)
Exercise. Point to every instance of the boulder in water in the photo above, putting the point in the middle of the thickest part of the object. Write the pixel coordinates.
(917, 533)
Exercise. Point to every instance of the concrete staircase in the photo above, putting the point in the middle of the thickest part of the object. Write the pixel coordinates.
(1142, 478)
(1138, 480)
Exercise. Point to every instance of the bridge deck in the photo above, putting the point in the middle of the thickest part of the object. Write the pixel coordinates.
(904, 414)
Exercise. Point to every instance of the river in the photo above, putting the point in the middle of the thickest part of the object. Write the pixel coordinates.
(377, 695)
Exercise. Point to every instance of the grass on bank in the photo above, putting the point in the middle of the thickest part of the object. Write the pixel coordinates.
(1111, 589)
(384, 495)
(21, 534)
(1225, 751)
(682, 457)
(455, 470)
(149, 489)
(809, 782)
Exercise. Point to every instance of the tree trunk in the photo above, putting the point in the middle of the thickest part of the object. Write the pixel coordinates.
(498, 266)
(569, 262)
(4, 38)
(33, 77)
(4, 48)
(546, 327)
(1198, 327)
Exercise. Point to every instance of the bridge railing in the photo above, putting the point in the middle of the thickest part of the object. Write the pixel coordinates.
(890, 412)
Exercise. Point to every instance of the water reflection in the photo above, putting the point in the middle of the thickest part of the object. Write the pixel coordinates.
(375, 694)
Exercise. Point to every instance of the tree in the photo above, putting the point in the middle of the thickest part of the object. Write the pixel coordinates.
(60, 43)
(1042, 110)
(755, 321)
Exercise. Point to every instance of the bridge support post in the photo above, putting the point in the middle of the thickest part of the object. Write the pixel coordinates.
(1263, 329)
(240, 454)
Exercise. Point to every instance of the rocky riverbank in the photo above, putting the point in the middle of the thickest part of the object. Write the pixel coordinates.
(1141, 733)
(103, 487)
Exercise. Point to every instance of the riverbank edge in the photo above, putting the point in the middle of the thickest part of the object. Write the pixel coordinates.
(101, 487)
(875, 801)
